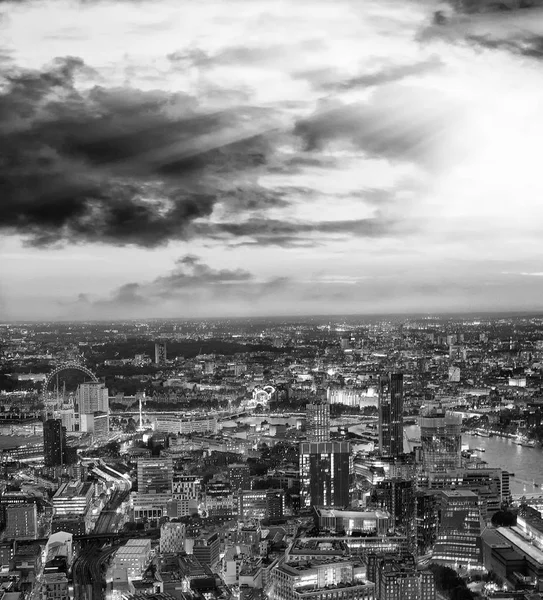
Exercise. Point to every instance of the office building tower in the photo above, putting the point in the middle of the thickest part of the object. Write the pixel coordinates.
(325, 474)
(260, 504)
(397, 578)
(427, 520)
(186, 490)
(441, 439)
(206, 549)
(172, 538)
(21, 521)
(275, 504)
(92, 397)
(391, 415)
(458, 542)
(54, 443)
(160, 353)
(397, 497)
(155, 475)
(318, 421)
(239, 476)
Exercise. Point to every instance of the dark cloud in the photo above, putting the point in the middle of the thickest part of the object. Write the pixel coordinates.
(276, 232)
(531, 46)
(327, 79)
(119, 166)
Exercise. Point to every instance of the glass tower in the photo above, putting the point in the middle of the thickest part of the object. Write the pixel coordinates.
(391, 415)
(441, 439)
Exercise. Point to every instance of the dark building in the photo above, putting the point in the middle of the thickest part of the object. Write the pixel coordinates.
(427, 520)
(239, 476)
(206, 549)
(54, 443)
(391, 415)
(397, 496)
(275, 504)
(325, 474)
(397, 577)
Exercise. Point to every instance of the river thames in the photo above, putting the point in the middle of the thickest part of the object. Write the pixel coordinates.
(525, 463)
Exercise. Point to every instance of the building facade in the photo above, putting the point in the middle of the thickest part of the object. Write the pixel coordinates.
(391, 414)
(325, 474)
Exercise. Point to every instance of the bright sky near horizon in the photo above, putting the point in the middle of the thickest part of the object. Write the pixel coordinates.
(165, 158)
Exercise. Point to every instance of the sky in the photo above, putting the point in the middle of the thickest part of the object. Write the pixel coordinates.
(167, 158)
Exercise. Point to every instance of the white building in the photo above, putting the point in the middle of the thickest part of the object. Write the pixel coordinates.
(134, 556)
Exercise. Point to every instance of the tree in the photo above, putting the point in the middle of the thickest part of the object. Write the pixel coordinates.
(504, 518)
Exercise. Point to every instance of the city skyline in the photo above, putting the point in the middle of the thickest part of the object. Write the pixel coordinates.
(167, 161)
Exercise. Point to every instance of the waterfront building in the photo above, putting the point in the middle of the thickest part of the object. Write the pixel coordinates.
(183, 426)
(391, 414)
(325, 474)
(441, 439)
(354, 397)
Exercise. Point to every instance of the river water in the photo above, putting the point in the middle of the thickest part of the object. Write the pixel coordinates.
(525, 463)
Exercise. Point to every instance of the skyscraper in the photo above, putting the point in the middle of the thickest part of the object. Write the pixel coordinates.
(318, 421)
(160, 353)
(391, 415)
(325, 472)
(397, 496)
(54, 443)
(441, 439)
(92, 397)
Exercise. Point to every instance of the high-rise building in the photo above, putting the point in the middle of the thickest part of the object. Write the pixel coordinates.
(172, 538)
(54, 443)
(22, 521)
(391, 415)
(318, 421)
(427, 519)
(441, 439)
(92, 397)
(160, 353)
(460, 526)
(397, 496)
(325, 473)
(155, 475)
